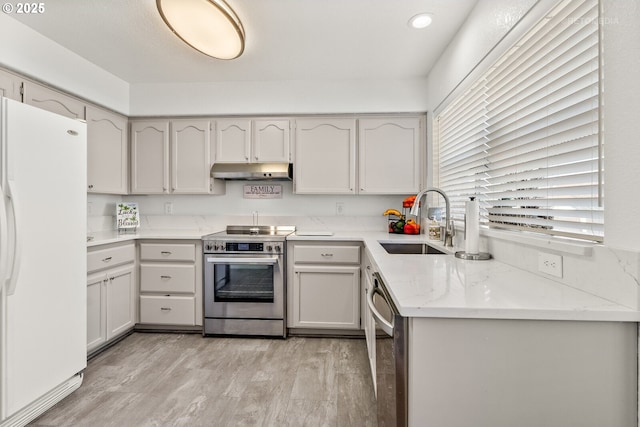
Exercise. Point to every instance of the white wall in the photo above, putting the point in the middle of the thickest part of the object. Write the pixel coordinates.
(279, 97)
(29, 53)
(621, 112)
(488, 23)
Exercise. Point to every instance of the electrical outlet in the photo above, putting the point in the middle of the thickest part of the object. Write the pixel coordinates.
(168, 208)
(339, 208)
(550, 264)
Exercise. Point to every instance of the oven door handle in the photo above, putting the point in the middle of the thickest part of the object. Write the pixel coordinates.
(214, 260)
(386, 326)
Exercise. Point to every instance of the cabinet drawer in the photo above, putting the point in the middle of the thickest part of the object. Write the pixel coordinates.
(168, 278)
(167, 252)
(327, 254)
(167, 310)
(99, 259)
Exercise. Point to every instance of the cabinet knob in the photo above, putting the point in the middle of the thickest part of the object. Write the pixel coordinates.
(166, 252)
(107, 259)
(165, 277)
(165, 308)
(90, 186)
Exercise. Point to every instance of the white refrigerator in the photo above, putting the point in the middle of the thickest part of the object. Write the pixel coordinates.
(42, 259)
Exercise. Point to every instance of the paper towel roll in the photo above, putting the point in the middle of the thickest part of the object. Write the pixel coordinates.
(472, 227)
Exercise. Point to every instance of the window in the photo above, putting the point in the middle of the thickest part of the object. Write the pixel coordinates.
(525, 138)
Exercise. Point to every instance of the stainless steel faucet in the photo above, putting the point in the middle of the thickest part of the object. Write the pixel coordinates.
(449, 230)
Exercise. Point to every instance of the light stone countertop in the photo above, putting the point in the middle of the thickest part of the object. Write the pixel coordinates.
(445, 286)
(112, 236)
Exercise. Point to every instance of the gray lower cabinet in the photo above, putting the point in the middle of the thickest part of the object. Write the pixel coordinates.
(170, 284)
(111, 285)
(323, 285)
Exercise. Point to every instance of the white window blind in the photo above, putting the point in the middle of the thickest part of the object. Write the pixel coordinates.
(525, 138)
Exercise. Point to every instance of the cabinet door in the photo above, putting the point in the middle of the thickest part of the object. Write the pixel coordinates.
(326, 297)
(107, 152)
(10, 86)
(50, 100)
(389, 155)
(233, 141)
(325, 156)
(271, 141)
(96, 311)
(150, 157)
(120, 301)
(190, 156)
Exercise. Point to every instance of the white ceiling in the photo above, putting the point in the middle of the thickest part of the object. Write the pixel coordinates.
(286, 39)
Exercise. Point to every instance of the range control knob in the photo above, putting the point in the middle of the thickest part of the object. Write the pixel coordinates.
(276, 248)
(269, 248)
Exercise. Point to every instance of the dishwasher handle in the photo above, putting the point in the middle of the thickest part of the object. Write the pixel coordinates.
(231, 260)
(385, 325)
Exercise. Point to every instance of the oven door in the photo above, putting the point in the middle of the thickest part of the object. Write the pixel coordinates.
(243, 286)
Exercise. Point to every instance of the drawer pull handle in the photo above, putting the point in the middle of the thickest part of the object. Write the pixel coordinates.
(165, 308)
(165, 277)
(326, 255)
(107, 259)
(165, 253)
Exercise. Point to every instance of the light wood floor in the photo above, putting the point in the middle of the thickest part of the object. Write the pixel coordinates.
(187, 380)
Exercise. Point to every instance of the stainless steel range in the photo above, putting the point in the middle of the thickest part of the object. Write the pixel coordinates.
(244, 281)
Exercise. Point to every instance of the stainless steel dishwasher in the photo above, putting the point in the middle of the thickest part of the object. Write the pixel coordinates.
(391, 357)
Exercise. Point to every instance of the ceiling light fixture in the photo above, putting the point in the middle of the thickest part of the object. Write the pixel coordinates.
(209, 26)
(421, 20)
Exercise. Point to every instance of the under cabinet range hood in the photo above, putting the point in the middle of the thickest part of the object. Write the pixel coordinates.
(253, 171)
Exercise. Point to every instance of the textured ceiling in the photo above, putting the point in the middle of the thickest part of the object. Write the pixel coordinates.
(286, 39)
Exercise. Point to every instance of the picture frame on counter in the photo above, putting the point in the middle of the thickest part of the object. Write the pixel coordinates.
(127, 216)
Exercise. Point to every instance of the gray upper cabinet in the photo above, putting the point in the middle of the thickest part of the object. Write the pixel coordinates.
(271, 141)
(389, 155)
(54, 101)
(252, 141)
(325, 156)
(150, 157)
(233, 141)
(107, 152)
(172, 157)
(10, 86)
(191, 156)
(364, 155)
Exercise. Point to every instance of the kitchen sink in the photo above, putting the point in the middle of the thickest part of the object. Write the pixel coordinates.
(411, 248)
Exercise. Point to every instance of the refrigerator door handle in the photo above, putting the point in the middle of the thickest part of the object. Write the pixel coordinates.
(17, 251)
(4, 239)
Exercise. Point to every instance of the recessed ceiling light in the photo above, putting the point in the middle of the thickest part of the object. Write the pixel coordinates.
(209, 26)
(421, 20)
